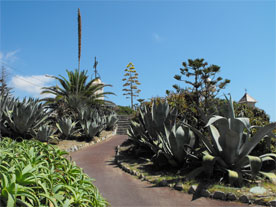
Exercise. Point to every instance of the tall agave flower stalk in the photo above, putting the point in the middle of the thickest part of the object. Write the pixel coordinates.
(79, 37)
(79, 46)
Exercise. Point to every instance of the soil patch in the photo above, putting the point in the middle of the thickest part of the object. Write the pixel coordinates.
(67, 144)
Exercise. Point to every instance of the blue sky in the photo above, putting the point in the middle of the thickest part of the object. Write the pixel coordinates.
(40, 37)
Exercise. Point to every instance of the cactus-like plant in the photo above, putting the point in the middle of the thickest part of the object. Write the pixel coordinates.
(25, 117)
(91, 122)
(231, 145)
(6, 104)
(177, 143)
(111, 120)
(44, 133)
(66, 126)
(158, 129)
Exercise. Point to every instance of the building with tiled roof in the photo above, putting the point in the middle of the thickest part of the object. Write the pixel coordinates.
(247, 99)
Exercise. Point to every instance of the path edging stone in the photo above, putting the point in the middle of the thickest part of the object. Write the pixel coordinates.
(217, 195)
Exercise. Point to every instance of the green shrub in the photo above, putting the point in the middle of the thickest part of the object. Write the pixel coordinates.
(124, 110)
(36, 174)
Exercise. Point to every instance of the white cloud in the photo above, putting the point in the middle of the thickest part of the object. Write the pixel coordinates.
(32, 85)
(9, 57)
(157, 37)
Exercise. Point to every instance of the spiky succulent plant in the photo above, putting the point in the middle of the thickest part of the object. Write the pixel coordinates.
(44, 133)
(25, 117)
(158, 129)
(67, 127)
(231, 145)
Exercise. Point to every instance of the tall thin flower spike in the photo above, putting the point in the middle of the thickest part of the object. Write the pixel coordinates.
(79, 36)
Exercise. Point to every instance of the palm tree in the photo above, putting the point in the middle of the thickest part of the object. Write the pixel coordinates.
(75, 91)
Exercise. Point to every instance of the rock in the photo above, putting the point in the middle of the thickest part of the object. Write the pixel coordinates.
(260, 202)
(219, 195)
(231, 197)
(244, 199)
(178, 186)
(192, 189)
(163, 183)
(205, 193)
(258, 190)
(273, 203)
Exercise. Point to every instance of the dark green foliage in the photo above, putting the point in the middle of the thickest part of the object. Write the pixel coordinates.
(230, 146)
(23, 118)
(124, 110)
(157, 129)
(205, 85)
(36, 174)
(75, 92)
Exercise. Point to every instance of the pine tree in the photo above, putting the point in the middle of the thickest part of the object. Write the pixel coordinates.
(205, 84)
(131, 82)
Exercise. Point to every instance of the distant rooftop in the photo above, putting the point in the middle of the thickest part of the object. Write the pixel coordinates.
(247, 99)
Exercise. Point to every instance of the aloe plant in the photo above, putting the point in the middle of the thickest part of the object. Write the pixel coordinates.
(25, 117)
(36, 174)
(231, 145)
(66, 126)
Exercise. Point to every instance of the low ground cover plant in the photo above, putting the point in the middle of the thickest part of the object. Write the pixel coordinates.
(36, 174)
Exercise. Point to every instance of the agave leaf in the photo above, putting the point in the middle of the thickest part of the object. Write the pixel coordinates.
(204, 140)
(249, 145)
(214, 119)
(234, 177)
(215, 137)
(231, 112)
(208, 163)
(270, 176)
(255, 164)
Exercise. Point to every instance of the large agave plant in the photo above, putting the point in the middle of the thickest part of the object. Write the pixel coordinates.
(158, 129)
(91, 122)
(231, 145)
(25, 117)
(111, 120)
(66, 126)
(6, 104)
(177, 143)
(44, 133)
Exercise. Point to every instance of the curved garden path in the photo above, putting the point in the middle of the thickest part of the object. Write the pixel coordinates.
(121, 189)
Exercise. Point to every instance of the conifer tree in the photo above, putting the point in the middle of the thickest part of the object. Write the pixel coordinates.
(205, 84)
(131, 82)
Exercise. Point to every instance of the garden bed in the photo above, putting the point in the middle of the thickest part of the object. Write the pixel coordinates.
(142, 168)
(74, 145)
